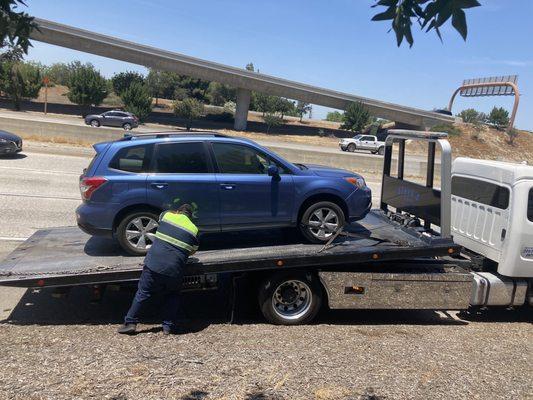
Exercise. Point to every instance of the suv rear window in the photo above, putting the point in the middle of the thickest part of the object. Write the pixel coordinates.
(181, 158)
(132, 159)
(480, 191)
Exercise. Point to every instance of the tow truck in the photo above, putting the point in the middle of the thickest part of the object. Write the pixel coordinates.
(463, 245)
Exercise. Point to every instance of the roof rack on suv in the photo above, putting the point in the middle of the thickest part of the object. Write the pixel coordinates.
(130, 136)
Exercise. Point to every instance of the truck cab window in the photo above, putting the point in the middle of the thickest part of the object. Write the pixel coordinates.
(530, 205)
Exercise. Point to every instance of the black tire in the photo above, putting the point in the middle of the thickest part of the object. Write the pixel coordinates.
(351, 147)
(120, 232)
(374, 152)
(381, 150)
(126, 126)
(288, 298)
(94, 123)
(307, 217)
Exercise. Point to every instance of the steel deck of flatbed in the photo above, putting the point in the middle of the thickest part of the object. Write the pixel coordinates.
(66, 256)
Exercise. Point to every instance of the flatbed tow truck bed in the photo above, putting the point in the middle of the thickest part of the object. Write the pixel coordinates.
(66, 256)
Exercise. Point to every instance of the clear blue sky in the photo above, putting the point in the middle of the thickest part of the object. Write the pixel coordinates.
(329, 44)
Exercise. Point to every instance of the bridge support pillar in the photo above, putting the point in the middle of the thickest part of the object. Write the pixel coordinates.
(241, 111)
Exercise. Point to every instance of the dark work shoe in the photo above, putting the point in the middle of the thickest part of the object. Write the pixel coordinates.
(167, 330)
(127, 329)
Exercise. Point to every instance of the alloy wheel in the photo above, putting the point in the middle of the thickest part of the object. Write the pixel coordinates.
(140, 232)
(323, 223)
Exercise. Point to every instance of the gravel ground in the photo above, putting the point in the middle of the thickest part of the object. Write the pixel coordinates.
(346, 355)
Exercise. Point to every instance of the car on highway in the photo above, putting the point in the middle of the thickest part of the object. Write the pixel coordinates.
(10, 143)
(117, 118)
(363, 142)
(233, 184)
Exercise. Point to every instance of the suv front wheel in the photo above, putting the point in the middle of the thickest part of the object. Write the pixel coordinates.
(136, 232)
(321, 220)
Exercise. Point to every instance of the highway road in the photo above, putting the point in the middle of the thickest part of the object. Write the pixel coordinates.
(39, 189)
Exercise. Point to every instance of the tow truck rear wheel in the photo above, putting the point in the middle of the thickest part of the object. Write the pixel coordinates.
(290, 298)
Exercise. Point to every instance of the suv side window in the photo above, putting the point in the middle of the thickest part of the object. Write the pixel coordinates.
(181, 158)
(530, 205)
(238, 159)
(132, 159)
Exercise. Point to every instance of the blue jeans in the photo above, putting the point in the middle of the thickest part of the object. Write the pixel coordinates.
(151, 283)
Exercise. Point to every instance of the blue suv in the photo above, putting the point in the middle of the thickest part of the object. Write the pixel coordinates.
(232, 183)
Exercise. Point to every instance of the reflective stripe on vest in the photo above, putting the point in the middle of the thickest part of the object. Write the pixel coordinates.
(179, 231)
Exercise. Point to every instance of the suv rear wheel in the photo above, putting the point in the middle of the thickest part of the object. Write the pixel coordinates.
(351, 147)
(321, 220)
(136, 232)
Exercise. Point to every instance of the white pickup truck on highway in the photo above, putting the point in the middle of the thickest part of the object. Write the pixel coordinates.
(363, 142)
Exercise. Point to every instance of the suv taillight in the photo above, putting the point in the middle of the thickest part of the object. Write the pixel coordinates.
(89, 185)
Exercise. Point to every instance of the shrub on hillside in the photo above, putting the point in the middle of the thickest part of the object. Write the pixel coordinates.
(86, 86)
(334, 116)
(189, 109)
(137, 100)
(472, 116)
(272, 120)
(499, 117)
(446, 128)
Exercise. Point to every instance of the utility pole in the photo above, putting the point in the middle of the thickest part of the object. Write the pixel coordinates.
(46, 81)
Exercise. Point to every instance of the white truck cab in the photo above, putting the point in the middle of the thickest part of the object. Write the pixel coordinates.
(492, 215)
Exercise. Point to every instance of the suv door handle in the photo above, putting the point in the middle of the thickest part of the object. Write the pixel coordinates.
(227, 186)
(159, 185)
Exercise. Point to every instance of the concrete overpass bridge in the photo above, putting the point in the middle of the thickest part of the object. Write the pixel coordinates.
(245, 81)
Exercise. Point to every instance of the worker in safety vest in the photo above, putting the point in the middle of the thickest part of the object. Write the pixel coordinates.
(175, 240)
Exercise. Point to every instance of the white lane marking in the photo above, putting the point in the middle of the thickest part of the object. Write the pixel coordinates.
(41, 171)
(40, 196)
(12, 239)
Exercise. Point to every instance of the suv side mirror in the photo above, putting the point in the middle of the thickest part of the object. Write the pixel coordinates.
(273, 170)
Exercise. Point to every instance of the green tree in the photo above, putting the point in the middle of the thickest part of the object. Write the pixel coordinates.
(356, 117)
(87, 87)
(499, 117)
(219, 94)
(15, 25)
(19, 80)
(429, 14)
(162, 84)
(334, 116)
(284, 106)
(302, 108)
(124, 80)
(137, 100)
(250, 67)
(189, 109)
(265, 103)
(470, 115)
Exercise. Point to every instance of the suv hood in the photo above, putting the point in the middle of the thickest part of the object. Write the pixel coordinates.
(322, 170)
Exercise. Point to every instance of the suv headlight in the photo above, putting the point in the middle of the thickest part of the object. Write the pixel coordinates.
(357, 181)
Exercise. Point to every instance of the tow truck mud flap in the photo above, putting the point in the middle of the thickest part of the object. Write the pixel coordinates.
(442, 288)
